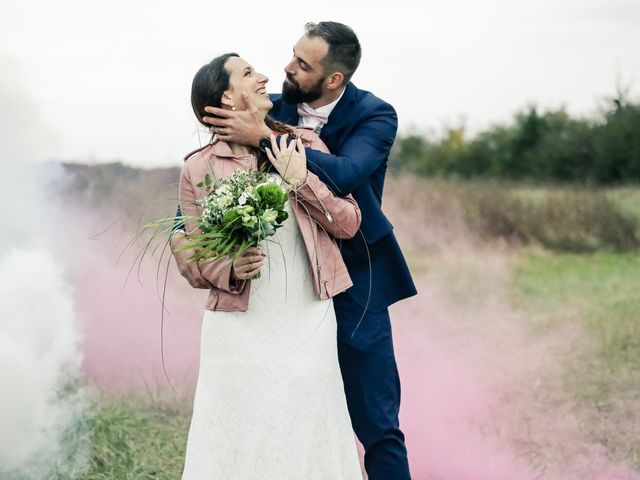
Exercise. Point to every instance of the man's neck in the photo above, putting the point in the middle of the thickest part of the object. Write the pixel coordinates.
(330, 97)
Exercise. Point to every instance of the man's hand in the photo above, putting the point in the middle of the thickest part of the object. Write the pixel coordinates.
(245, 127)
(247, 265)
(187, 268)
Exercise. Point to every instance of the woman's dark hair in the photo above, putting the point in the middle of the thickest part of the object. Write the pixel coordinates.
(209, 84)
(207, 88)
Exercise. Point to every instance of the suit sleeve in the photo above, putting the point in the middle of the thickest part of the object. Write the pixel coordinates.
(177, 223)
(339, 216)
(218, 271)
(360, 155)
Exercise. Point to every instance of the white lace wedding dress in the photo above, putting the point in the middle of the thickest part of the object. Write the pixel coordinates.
(269, 402)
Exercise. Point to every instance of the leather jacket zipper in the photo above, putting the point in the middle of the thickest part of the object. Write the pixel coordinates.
(324, 209)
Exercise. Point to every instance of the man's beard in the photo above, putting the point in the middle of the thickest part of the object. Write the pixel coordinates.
(291, 92)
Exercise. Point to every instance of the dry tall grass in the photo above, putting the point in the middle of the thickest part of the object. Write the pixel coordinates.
(435, 212)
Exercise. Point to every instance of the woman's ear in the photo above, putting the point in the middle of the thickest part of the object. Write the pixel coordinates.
(227, 101)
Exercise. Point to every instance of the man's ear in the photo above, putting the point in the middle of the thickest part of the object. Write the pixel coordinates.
(226, 100)
(335, 80)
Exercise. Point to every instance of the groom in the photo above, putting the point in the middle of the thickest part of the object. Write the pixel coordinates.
(359, 129)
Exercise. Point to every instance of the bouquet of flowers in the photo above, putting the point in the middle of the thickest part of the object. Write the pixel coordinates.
(237, 213)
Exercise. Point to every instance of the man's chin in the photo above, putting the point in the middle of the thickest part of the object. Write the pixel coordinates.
(290, 96)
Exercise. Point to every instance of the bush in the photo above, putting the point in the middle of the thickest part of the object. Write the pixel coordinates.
(562, 220)
(431, 213)
(548, 146)
(617, 145)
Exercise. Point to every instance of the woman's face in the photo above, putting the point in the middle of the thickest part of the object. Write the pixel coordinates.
(243, 78)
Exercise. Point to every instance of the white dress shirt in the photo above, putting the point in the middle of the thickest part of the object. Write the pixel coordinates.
(314, 122)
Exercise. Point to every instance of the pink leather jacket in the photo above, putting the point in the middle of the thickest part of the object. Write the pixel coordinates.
(338, 218)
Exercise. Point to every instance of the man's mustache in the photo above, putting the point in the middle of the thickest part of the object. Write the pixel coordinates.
(291, 80)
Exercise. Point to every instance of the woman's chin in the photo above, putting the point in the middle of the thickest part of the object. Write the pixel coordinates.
(265, 103)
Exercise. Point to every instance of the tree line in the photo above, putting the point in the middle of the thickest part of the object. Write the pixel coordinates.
(535, 146)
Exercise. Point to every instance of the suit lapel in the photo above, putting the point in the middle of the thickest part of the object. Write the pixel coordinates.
(289, 113)
(339, 115)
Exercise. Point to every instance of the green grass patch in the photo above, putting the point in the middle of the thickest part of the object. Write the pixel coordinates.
(601, 294)
(602, 290)
(137, 438)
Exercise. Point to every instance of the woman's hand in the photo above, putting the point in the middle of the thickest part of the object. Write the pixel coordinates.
(187, 268)
(247, 265)
(290, 160)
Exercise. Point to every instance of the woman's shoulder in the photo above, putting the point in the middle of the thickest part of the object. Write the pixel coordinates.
(192, 153)
(215, 148)
(197, 162)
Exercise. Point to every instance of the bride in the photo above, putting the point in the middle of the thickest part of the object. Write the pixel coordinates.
(269, 401)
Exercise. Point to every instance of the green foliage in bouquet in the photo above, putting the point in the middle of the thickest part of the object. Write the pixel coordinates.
(237, 213)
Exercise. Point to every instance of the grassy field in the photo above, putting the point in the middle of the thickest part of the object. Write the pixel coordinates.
(598, 293)
(145, 437)
(552, 288)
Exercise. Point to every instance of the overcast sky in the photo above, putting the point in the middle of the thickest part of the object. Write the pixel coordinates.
(100, 81)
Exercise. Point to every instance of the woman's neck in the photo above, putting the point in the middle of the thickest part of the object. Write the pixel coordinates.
(241, 150)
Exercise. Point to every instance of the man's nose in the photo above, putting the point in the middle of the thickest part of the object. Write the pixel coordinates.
(288, 69)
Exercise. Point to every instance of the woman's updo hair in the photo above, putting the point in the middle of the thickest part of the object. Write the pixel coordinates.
(207, 88)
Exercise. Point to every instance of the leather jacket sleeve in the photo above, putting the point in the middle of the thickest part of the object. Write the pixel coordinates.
(338, 215)
(217, 272)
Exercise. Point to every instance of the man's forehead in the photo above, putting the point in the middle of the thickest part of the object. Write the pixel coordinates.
(311, 50)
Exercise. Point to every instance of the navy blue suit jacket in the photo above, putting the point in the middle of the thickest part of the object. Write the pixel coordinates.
(359, 134)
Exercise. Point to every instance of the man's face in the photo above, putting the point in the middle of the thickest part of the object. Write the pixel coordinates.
(305, 73)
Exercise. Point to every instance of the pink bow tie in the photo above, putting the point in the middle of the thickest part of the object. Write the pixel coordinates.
(305, 110)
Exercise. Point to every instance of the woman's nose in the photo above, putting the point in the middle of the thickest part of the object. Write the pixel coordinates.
(261, 78)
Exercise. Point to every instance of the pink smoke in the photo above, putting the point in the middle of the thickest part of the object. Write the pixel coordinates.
(122, 312)
(468, 409)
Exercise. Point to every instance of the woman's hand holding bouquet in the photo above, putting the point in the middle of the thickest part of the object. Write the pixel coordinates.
(237, 214)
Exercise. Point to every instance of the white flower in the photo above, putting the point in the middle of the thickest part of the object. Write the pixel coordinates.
(269, 215)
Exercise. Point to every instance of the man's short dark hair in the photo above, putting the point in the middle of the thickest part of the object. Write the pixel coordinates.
(344, 47)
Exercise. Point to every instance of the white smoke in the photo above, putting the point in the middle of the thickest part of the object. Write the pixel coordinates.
(38, 362)
(42, 403)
